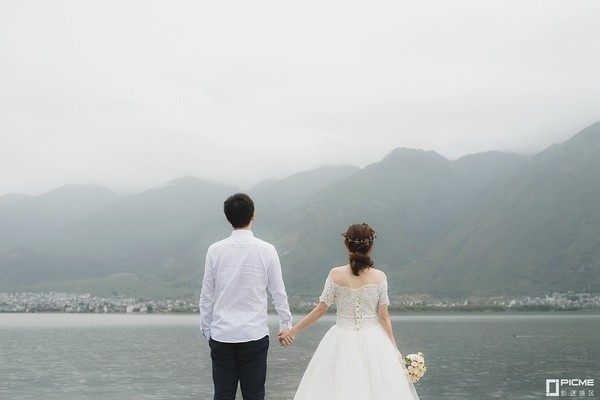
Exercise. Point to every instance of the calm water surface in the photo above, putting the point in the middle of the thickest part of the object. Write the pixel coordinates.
(117, 356)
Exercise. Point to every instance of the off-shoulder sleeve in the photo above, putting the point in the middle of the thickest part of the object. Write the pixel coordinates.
(383, 293)
(328, 295)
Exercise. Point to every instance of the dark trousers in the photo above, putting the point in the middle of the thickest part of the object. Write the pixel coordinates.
(244, 362)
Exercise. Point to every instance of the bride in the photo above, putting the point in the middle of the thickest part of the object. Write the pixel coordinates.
(357, 358)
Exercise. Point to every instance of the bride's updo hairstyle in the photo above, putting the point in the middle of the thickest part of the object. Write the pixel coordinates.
(359, 240)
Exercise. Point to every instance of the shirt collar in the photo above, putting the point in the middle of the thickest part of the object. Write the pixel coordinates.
(242, 232)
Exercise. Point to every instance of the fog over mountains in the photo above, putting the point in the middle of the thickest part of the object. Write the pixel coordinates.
(485, 224)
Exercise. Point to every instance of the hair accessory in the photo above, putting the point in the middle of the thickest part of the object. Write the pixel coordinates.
(367, 240)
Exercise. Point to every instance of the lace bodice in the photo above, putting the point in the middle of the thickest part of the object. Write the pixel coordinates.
(356, 308)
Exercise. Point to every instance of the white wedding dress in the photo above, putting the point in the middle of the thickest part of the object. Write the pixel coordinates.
(356, 359)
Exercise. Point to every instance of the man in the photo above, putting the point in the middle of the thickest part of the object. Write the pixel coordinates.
(233, 304)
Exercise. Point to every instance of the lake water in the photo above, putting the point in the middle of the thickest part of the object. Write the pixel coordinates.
(118, 356)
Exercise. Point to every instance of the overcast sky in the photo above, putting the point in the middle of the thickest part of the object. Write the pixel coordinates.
(131, 94)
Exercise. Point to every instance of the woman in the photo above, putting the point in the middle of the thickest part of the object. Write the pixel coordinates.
(357, 358)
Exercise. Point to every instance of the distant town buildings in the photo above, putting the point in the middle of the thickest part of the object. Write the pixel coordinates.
(555, 301)
(86, 303)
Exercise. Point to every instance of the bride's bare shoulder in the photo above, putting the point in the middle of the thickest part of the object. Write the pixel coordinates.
(375, 276)
(338, 272)
(380, 274)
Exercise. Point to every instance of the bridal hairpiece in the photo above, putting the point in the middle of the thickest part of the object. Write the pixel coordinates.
(367, 240)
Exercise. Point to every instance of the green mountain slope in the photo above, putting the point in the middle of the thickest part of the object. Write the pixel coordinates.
(155, 240)
(536, 230)
(485, 224)
(28, 219)
(147, 234)
(276, 198)
(412, 197)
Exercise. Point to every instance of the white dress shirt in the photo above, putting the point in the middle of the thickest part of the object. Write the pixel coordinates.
(233, 301)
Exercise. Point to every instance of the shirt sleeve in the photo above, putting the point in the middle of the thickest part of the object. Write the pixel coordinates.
(383, 293)
(207, 297)
(277, 289)
(328, 295)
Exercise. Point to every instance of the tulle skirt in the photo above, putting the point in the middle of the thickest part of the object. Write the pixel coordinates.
(356, 364)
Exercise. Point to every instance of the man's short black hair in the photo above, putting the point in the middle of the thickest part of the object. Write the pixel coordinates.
(239, 209)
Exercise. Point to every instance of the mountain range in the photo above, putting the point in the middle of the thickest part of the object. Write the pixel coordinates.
(486, 224)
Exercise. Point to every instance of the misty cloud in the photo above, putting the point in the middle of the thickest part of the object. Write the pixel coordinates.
(131, 94)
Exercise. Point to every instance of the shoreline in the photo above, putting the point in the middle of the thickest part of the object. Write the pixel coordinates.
(51, 302)
(393, 311)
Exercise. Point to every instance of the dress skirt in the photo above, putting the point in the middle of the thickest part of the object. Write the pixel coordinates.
(356, 364)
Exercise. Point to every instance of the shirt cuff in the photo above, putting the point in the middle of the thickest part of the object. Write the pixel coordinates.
(284, 326)
(206, 334)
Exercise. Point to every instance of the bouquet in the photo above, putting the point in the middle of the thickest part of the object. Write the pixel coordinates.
(415, 364)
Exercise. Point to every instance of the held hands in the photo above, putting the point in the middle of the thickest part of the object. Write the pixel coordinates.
(286, 337)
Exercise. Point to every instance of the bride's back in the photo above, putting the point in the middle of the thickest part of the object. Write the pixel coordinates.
(343, 276)
(356, 297)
